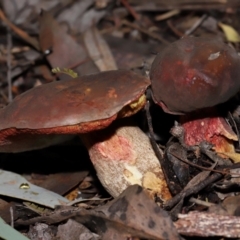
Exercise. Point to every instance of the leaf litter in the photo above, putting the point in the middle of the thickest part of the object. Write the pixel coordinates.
(86, 37)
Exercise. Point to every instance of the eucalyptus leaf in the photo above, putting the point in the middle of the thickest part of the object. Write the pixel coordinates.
(9, 233)
(16, 186)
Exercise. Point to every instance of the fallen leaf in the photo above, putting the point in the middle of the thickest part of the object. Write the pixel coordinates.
(61, 49)
(14, 185)
(230, 33)
(133, 213)
(232, 155)
(98, 50)
(9, 233)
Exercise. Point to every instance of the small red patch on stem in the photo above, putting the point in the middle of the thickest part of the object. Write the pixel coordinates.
(117, 148)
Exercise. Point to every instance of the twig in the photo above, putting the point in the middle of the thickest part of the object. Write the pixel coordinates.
(174, 29)
(9, 65)
(196, 25)
(20, 32)
(172, 183)
(189, 31)
(167, 15)
(150, 128)
(143, 30)
(12, 218)
(130, 9)
(198, 166)
(235, 126)
(201, 202)
(80, 200)
(190, 191)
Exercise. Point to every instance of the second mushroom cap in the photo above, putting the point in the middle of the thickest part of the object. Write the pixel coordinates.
(194, 73)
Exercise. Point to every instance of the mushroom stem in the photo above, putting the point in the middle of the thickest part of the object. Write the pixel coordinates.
(208, 125)
(122, 156)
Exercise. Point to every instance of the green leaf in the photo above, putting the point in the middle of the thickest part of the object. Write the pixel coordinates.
(9, 233)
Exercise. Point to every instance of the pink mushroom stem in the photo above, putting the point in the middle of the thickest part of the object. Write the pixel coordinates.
(122, 156)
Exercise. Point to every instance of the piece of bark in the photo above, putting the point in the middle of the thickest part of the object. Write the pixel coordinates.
(204, 224)
(73, 230)
(41, 231)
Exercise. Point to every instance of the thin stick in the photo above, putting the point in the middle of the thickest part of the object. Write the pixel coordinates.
(172, 185)
(198, 166)
(143, 30)
(9, 65)
(235, 126)
(196, 25)
(130, 9)
(201, 202)
(12, 217)
(190, 191)
(20, 32)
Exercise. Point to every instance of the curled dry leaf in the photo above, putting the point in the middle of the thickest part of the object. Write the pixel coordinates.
(98, 50)
(133, 213)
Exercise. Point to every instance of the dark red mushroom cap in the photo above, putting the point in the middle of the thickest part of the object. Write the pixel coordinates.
(72, 106)
(194, 73)
(90, 98)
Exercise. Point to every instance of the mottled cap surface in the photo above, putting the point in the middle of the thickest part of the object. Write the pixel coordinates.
(91, 98)
(194, 73)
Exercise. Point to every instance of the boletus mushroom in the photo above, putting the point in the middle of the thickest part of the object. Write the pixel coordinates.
(121, 154)
(190, 77)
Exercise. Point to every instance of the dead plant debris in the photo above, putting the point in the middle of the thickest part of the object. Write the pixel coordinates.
(153, 175)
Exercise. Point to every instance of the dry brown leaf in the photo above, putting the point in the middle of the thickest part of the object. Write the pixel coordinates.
(133, 213)
(232, 155)
(20, 32)
(98, 50)
(61, 49)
